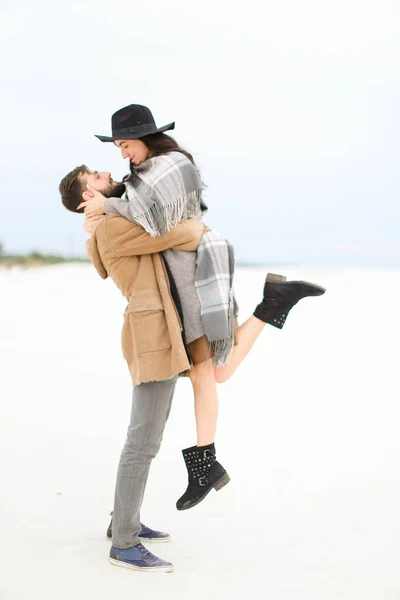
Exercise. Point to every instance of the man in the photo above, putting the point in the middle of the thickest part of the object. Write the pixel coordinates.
(152, 345)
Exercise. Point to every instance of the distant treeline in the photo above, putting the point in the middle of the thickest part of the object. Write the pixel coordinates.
(35, 259)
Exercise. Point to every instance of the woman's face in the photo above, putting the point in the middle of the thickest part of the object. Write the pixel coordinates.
(135, 150)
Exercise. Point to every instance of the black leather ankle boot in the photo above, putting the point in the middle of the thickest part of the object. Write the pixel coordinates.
(204, 474)
(280, 296)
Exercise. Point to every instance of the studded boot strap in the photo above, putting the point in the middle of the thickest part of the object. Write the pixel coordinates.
(199, 463)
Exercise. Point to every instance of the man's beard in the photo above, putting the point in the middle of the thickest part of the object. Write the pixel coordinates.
(114, 190)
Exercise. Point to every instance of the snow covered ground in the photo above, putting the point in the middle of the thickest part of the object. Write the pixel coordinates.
(309, 432)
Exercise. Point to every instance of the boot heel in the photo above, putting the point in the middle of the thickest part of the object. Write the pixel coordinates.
(221, 482)
(274, 277)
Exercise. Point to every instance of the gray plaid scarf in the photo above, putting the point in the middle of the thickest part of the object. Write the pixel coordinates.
(214, 285)
(165, 190)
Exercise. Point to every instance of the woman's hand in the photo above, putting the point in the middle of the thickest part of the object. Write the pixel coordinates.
(90, 223)
(93, 202)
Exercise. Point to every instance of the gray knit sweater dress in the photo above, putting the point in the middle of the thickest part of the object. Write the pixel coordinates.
(183, 269)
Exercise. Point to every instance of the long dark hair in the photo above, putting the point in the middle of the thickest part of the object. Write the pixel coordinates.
(161, 143)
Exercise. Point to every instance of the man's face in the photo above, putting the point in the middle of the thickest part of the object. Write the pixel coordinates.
(104, 183)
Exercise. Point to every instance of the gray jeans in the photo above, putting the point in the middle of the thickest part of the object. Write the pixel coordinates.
(151, 404)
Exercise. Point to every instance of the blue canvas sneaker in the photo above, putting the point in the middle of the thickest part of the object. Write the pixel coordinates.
(145, 535)
(138, 558)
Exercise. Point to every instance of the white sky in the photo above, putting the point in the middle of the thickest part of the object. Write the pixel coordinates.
(288, 108)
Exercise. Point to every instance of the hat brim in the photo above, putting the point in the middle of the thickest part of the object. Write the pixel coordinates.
(134, 136)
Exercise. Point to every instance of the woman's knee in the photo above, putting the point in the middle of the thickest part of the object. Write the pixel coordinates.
(202, 372)
(221, 375)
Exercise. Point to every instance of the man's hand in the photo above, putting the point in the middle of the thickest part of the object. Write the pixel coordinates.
(90, 223)
(93, 202)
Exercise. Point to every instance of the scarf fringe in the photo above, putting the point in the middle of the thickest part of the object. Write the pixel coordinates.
(158, 220)
(222, 348)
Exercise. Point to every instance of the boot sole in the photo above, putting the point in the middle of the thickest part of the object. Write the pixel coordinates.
(222, 482)
(119, 563)
(272, 277)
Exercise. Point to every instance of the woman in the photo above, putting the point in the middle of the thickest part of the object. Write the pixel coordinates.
(163, 189)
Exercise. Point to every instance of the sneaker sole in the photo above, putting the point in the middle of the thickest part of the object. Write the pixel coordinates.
(148, 540)
(120, 563)
(218, 485)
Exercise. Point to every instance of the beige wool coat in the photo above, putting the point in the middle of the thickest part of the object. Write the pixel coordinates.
(151, 336)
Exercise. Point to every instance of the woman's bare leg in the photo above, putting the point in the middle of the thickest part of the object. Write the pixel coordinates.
(205, 402)
(246, 336)
(205, 376)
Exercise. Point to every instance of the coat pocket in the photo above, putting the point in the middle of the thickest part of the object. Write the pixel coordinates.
(145, 328)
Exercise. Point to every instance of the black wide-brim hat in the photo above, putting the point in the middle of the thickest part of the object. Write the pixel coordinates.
(132, 123)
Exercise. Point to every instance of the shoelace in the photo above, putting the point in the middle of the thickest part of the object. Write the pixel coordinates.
(146, 554)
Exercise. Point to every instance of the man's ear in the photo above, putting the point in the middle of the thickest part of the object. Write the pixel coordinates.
(87, 196)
